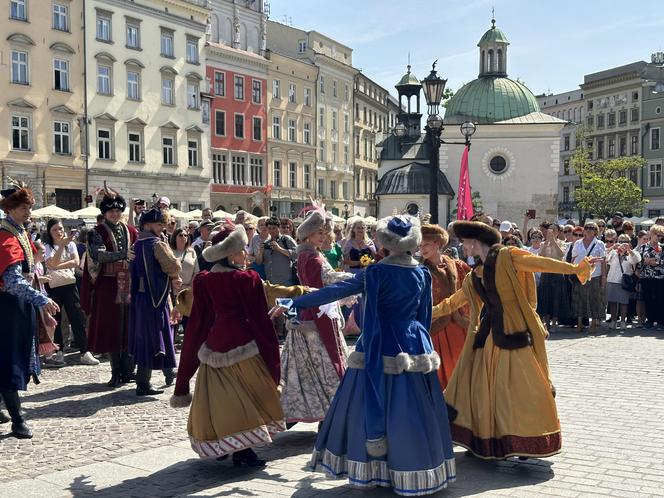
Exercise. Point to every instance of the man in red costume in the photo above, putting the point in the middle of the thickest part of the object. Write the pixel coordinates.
(106, 287)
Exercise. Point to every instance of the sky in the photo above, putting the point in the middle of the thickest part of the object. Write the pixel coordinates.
(552, 44)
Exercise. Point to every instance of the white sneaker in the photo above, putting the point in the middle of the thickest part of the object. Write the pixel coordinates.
(88, 359)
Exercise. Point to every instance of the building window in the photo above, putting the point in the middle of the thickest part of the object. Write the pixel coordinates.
(192, 50)
(307, 176)
(498, 165)
(167, 95)
(357, 146)
(19, 67)
(346, 154)
(334, 120)
(566, 142)
(104, 149)
(133, 35)
(205, 111)
(612, 119)
(192, 153)
(21, 133)
(291, 93)
(61, 138)
(321, 82)
(321, 151)
(18, 10)
(292, 175)
(237, 168)
(60, 17)
(276, 89)
(220, 123)
(103, 27)
(612, 147)
(302, 46)
(168, 150)
(634, 115)
(239, 126)
(600, 149)
(257, 128)
(334, 153)
(306, 133)
(655, 175)
(334, 88)
(307, 97)
(133, 85)
(591, 121)
(276, 127)
(219, 168)
(634, 149)
(622, 117)
(167, 45)
(276, 173)
(256, 91)
(220, 83)
(333, 189)
(291, 130)
(239, 87)
(654, 139)
(347, 93)
(321, 118)
(104, 79)
(566, 167)
(346, 123)
(321, 187)
(345, 189)
(193, 95)
(135, 146)
(565, 194)
(600, 121)
(622, 146)
(61, 75)
(256, 171)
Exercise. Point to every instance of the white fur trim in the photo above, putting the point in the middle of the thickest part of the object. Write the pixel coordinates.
(394, 242)
(377, 447)
(400, 260)
(235, 242)
(182, 401)
(312, 223)
(402, 362)
(217, 359)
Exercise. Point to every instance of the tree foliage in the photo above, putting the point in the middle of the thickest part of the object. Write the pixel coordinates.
(447, 95)
(606, 186)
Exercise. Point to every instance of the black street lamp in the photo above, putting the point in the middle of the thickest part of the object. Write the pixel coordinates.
(433, 87)
(346, 212)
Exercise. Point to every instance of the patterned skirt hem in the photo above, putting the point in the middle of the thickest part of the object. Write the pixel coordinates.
(238, 441)
(304, 420)
(377, 473)
(507, 446)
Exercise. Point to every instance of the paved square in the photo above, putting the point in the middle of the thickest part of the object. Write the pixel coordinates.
(90, 440)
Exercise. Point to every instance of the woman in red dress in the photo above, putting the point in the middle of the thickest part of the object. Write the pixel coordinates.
(448, 333)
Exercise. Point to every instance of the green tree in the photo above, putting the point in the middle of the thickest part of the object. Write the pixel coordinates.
(447, 95)
(477, 204)
(606, 186)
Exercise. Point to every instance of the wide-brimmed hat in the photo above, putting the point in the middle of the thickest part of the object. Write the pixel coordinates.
(399, 234)
(477, 231)
(227, 241)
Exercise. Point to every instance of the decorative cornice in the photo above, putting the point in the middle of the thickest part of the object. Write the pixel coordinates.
(20, 38)
(170, 125)
(62, 47)
(63, 109)
(194, 128)
(194, 76)
(105, 55)
(21, 103)
(134, 62)
(160, 14)
(105, 117)
(168, 69)
(136, 122)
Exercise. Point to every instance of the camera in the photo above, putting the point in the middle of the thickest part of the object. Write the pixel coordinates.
(267, 244)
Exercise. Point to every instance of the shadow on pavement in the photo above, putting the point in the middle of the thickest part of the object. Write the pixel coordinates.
(66, 391)
(569, 333)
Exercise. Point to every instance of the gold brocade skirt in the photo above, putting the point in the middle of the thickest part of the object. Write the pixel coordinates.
(503, 403)
(234, 408)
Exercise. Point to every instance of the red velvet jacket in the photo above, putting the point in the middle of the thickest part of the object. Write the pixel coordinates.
(229, 311)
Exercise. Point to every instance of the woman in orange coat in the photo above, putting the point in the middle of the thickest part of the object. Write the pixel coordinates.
(448, 333)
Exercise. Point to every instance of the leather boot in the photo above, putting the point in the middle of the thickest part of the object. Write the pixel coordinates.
(127, 366)
(169, 375)
(116, 371)
(143, 386)
(247, 457)
(3, 418)
(19, 429)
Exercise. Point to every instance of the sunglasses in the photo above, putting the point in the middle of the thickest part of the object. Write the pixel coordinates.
(589, 228)
(578, 234)
(567, 231)
(611, 240)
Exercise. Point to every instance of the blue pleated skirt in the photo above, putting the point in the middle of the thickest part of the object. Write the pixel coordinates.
(419, 460)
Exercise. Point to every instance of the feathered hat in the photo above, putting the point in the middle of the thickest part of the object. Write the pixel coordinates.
(15, 194)
(314, 220)
(477, 231)
(399, 234)
(229, 240)
(111, 200)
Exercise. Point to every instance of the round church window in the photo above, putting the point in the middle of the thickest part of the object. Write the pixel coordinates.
(498, 165)
(413, 209)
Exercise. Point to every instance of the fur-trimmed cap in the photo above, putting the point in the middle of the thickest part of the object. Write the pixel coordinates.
(314, 221)
(399, 234)
(15, 197)
(435, 233)
(225, 242)
(477, 231)
(109, 202)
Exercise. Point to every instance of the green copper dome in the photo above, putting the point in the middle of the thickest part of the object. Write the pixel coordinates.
(493, 35)
(408, 79)
(491, 99)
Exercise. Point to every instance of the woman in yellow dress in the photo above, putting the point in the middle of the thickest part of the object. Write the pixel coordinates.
(500, 397)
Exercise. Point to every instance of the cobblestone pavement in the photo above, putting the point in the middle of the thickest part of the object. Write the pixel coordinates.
(90, 440)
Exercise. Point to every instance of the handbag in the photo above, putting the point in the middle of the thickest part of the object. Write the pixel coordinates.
(628, 282)
(60, 278)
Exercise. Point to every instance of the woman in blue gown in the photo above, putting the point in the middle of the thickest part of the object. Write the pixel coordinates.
(387, 425)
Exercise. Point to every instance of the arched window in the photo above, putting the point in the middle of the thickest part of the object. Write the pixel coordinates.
(491, 62)
(501, 68)
(483, 62)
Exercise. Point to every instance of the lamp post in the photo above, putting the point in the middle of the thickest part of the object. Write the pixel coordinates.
(346, 213)
(433, 87)
(155, 198)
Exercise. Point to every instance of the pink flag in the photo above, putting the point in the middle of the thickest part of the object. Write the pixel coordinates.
(464, 197)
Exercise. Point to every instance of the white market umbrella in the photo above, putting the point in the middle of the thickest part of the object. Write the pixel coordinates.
(370, 220)
(648, 223)
(52, 212)
(220, 213)
(196, 213)
(87, 212)
(176, 213)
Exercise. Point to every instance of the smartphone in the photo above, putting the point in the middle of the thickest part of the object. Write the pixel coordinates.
(531, 214)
